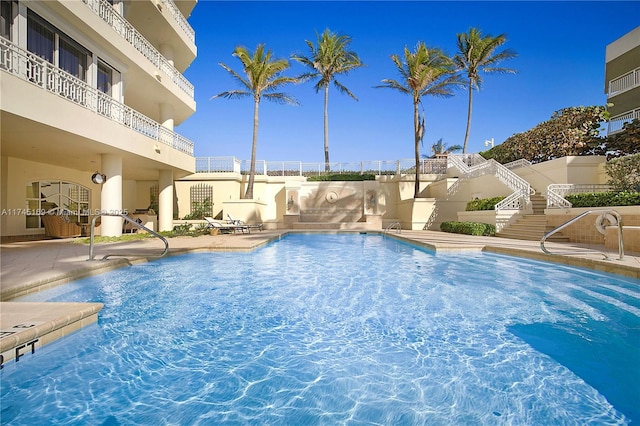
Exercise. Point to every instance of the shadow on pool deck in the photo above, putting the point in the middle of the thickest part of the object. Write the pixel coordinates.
(28, 266)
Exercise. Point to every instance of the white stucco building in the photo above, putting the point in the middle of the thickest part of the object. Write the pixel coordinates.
(93, 87)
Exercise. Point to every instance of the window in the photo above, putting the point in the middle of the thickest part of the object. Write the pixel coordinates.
(60, 196)
(40, 38)
(72, 58)
(105, 78)
(6, 19)
(52, 45)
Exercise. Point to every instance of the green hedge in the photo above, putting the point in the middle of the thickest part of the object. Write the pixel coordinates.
(604, 199)
(469, 228)
(342, 177)
(483, 204)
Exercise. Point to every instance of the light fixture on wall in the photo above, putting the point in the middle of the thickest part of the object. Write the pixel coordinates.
(98, 178)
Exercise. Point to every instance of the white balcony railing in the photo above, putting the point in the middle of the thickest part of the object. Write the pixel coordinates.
(36, 70)
(107, 13)
(180, 19)
(624, 82)
(617, 123)
(299, 168)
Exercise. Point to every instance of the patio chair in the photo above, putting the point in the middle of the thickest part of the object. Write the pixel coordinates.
(234, 221)
(225, 227)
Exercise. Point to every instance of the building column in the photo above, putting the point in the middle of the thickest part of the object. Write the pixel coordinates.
(111, 195)
(165, 200)
(166, 50)
(166, 116)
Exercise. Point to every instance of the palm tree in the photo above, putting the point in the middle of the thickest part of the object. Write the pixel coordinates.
(423, 72)
(440, 148)
(477, 53)
(263, 79)
(330, 57)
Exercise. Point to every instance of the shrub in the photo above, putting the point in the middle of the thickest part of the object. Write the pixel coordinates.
(469, 228)
(483, 204)
(604, 199)
(624, 173)
(342, 177)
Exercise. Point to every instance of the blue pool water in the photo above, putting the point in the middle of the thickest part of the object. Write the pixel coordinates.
(339, 329)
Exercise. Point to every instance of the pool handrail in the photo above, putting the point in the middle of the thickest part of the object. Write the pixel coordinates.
(393, 225)
(580, 216)
(133, 222)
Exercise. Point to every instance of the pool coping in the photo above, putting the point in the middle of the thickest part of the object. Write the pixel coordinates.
(49, 321)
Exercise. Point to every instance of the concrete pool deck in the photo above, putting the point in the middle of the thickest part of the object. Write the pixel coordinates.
(29, 266)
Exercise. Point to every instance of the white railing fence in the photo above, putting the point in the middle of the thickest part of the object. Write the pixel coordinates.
(41, 73)
(556, 192)
(308, 169)
(108, 14)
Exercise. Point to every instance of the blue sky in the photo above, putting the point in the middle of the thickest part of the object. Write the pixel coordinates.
(560, 63)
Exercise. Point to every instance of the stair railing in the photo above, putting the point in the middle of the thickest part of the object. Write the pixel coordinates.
(522, 190)
(580, 216)
(134, 223)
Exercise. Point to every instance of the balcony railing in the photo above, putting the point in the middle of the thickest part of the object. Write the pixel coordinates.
(624, 82)
(127, 31)
(299, 168)
(617, 123)
(36, 70)
(180, 19)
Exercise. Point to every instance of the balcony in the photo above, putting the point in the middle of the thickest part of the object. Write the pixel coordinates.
(180, 19)
(41, 73)
(108, 14)
(624, 82)
(616, 123)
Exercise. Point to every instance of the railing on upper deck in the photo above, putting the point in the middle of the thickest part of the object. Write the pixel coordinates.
(616, 124)
(306, 169)
(625, 82)
(32, 68)
(108, 14)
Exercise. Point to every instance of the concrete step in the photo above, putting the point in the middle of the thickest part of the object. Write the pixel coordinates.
(530, 227)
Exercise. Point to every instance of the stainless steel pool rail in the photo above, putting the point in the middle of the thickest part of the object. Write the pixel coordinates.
(580, 216)
(134, 223)
(393, 225)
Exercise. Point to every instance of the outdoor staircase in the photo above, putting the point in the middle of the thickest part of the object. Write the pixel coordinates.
(531, 227)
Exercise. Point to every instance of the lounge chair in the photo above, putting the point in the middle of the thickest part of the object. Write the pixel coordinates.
(226, 227)
(233, 221)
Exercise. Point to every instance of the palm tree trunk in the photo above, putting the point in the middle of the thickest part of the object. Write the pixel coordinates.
(466, 134)
(326, 128)
(252, 168)
(416, 127)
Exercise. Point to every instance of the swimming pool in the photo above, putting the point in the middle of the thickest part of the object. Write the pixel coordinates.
(339, 329)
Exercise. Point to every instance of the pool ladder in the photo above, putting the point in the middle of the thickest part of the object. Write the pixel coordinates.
(134, 223)
(395, 225)
(604, 212)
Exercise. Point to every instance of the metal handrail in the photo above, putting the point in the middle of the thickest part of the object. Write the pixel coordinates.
(128, 219)
(393, 225)
(580, 216)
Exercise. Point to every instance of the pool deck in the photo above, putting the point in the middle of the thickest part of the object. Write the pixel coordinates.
(29, 266)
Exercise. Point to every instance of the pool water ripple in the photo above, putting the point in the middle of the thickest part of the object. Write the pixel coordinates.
(338, 329)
